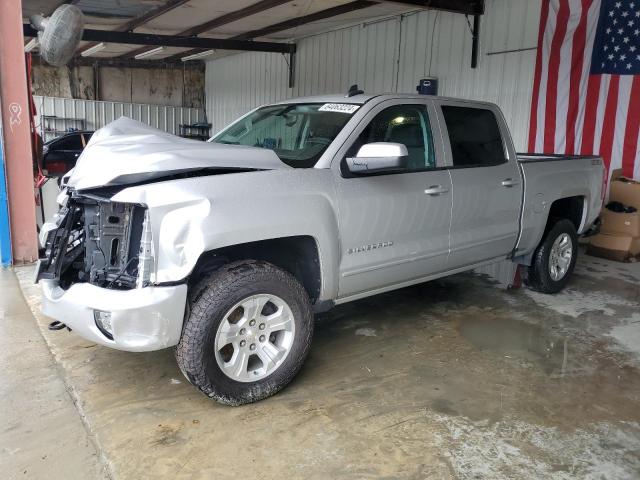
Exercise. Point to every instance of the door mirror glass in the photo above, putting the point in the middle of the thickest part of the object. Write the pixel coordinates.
(378, 157)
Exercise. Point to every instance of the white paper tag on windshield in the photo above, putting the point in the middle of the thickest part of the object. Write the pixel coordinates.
(339, 107)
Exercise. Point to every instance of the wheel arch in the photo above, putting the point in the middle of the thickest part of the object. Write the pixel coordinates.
(298, 255)
(572, 208)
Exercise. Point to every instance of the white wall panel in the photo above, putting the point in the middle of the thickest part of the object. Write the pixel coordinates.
(391, 55)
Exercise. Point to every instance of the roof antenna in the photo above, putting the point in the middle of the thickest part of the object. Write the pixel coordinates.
(354, 90)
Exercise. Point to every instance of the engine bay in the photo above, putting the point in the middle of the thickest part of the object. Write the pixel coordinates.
(97, 241)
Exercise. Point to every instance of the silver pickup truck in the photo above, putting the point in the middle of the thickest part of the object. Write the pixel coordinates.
(225, 249)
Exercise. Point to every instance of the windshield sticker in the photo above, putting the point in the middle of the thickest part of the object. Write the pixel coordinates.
(339, 107)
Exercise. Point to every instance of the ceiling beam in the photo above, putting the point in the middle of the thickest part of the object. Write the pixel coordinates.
(467, 7)
(292, 23)
(220, 21)
(143, 18)
(175, 41)
(312, 17)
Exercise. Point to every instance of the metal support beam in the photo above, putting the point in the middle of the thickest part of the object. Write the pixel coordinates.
(292, 69)
(174, 41)
(475, 41)
(467, 7)
(220, 21)
(143, 18)
(292, 23)
(118, 62)
(230, 17)
(312, 17)
(17, 135)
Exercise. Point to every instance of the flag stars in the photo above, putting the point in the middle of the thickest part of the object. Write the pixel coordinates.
(616, 48)
(632, 5)
(611, 13)
(610, 57)
(628, 66)
(615, 21)
(608, 30)
(620, 31)
(623, 57)
(632, 48)
(618, 4)
(631, 23)
(625, 14)
(625, 39)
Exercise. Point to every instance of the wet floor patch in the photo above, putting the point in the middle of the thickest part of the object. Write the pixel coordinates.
(519, 341)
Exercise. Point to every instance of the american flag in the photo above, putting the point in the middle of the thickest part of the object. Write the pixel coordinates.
(586, 92)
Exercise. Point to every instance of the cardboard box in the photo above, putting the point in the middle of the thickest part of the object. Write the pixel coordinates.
(620, 223)
(614, 247)
(616, 174)
(625, 191)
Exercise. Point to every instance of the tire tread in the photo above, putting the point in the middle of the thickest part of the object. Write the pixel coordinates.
(205, 297)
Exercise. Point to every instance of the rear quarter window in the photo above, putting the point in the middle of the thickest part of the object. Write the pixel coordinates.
(474, 136)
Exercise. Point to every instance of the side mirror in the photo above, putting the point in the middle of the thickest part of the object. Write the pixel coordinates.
(379, 157)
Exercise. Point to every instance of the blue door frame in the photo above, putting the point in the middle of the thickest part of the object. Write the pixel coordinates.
(5, 232)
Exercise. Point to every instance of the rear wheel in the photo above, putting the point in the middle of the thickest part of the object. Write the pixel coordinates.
(554, 259)
(247, 334)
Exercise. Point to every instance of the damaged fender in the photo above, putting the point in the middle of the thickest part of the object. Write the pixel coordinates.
(192, 216)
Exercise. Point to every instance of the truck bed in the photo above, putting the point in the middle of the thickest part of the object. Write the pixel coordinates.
(548, 178)
(549, 157)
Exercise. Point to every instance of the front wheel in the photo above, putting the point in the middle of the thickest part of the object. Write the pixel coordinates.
(554, 259)
(248, 332)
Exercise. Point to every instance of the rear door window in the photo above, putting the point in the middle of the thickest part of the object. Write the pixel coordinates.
(474, 136)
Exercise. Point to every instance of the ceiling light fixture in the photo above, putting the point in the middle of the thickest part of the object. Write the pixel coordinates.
(95, 49)
(148, 53)
(196, 56)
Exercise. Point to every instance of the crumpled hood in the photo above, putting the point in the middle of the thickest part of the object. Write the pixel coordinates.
(127, 151)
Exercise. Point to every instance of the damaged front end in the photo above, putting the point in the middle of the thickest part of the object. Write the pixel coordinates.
(100, 242)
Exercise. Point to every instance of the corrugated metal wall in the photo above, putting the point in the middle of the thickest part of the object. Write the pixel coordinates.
(391, 56)
(54, 115)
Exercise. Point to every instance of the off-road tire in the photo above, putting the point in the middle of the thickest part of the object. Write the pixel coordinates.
(210, 299)
(538, 275)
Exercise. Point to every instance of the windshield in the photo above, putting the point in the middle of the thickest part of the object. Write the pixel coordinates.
(297, 133)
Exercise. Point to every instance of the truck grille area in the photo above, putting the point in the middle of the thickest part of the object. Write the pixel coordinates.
(112, 233)
(97, 241)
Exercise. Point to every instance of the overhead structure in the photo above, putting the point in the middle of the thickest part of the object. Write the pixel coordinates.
(262, 26)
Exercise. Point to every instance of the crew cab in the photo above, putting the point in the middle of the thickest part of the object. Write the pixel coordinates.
(225, 249)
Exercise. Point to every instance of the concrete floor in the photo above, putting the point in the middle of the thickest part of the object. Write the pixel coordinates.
(41, 433)
(451, 379)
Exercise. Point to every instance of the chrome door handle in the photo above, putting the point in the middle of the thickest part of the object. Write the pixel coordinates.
(509, 182)
(435, 190)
